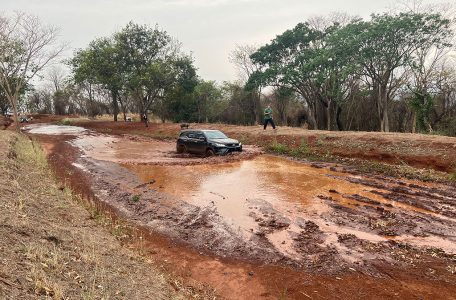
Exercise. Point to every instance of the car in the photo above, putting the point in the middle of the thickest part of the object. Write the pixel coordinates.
(206, 142)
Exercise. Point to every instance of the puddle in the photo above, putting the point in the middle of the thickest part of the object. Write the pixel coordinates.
(275, 198)
(290, 188)
(53, 129)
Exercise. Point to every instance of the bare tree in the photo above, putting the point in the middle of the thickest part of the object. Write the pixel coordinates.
(245, 67)
(26, 47)
(57, 77)
(240, 58)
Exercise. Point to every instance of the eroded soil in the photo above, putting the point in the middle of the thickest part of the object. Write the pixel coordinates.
(259, 226)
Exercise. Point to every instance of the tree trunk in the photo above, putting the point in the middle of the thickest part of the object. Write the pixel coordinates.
(328, 115)
(311, 117)
(414, 122)
(386, 127)
(340, 126)
(145, 119)
(382, 105)
(123, 108)
(257, 107)
(16, 119)
(115, 105)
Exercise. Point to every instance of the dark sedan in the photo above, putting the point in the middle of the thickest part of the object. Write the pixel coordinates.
(206, 142)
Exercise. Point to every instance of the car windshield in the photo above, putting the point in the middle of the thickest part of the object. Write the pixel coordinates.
(215, 135)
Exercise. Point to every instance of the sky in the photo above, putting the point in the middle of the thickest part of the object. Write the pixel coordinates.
(209, 29)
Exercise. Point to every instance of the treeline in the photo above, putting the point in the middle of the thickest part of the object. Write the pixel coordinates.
(392, 72)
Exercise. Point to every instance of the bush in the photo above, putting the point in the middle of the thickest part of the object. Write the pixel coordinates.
(453, 175)
(279, 148)
(66, 121)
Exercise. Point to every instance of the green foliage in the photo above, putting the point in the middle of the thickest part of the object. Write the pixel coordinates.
(422, 103)
(302, 150)
(136, 198)
(279, 148)
(139, 62)
(66, 121)
(323, 65)
(452, 175)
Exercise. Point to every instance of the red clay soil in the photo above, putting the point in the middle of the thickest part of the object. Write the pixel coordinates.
(236, 278)
(417, 150)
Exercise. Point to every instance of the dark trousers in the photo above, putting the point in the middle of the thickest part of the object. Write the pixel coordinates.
(266, 121)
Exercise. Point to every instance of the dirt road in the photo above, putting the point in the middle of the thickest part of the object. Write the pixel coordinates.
(258, 226)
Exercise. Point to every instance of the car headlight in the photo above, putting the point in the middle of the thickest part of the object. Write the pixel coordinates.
(240, 144)
(219, 145)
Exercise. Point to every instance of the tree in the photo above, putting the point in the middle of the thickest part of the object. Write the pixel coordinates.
(154, 64)
(427, 66)
(385, 45)
(240, 57)
(4, 104)
(109, 70)
(40, 101)
(206, 93)
(282, 98)
(26, 47)
(305, 61)
(287, 62)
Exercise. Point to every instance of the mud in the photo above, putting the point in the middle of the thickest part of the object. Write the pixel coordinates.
(310, 221)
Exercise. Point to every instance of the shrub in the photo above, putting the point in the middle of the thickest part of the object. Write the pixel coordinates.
(136, 198)
(279, 148)
(453, 175)
(66, 121)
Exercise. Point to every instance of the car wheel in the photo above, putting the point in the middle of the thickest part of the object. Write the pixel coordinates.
(210, 152)
(180, 149)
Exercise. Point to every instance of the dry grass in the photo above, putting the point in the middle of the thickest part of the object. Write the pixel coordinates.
(52, 248)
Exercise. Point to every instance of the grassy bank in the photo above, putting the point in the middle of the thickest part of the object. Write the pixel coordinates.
(308, 153)
(52, 247)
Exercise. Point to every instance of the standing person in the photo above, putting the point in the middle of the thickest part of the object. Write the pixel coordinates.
(268, 117)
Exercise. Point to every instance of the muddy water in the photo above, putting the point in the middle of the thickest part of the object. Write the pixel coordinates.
(273, 196)
(49, 129)
(248, 192)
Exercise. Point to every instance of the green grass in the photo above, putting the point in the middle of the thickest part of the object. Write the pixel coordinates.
(301, 151)
(279, 148)
(66, 121)
(452, 175)
(136, 198)
(30, 153)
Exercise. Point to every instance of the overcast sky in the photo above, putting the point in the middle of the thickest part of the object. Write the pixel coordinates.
(209, 29)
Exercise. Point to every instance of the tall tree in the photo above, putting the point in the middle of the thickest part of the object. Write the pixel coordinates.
(288, 62)
(240, 57)
(26, 47)
(385, 45)
(206, 92)
(154, 63)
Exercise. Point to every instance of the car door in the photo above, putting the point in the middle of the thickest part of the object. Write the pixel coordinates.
(182, 140)
(200, 143)
(190, 142)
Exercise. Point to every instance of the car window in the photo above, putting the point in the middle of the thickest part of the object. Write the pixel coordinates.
(215, 134)
(184, 135)
(191, 135)
(200, 136)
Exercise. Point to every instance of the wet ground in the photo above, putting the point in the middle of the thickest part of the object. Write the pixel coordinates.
(316, 218)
